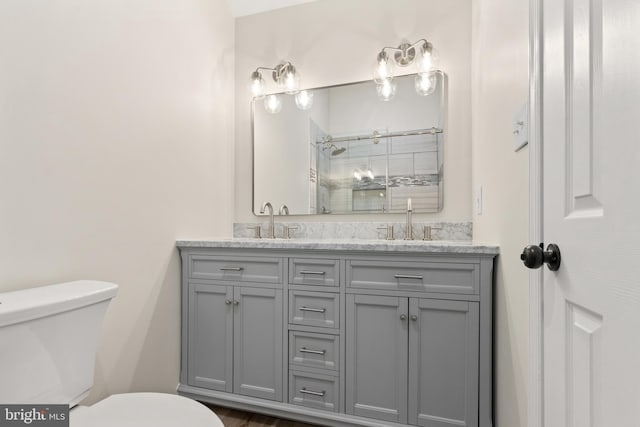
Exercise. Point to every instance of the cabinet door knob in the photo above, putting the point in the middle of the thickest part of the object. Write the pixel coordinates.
(236, 302)
(403, 317)
(414, 317)
(228, 302)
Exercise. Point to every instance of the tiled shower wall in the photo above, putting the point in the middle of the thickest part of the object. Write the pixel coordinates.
(356, 180)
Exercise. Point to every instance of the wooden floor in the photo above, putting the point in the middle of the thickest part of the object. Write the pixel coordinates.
(237, 418)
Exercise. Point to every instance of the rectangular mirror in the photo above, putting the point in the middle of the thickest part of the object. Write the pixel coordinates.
(351, 152)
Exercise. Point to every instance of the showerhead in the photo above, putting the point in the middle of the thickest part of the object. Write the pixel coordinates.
(337, 151)
(328, 145)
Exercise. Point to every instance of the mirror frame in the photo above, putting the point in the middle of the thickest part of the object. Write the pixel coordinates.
(443, 79)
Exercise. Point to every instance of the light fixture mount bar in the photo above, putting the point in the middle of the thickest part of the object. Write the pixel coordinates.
(405, 53)
(277, 72)
(281, 70)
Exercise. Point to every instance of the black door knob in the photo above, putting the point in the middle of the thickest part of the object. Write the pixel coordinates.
(533, 256)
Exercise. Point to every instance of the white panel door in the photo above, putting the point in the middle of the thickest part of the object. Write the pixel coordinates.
(591, 209)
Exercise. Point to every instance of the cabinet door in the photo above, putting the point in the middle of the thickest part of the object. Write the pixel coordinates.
(258, 334)
(377, 357)
(210, 337)
(443, 363)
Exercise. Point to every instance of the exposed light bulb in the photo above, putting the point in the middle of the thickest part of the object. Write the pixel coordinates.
(428, 60)
(257, 85)
(272, 104)
(425, 63)
(357, 175)
(370, 174)
(386, 90)
(425, 83)
(304, 99)
(290, 80)
(290, 83)
(383, 68)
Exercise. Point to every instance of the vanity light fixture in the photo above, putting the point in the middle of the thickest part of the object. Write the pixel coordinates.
(420, 52)
(287, 79)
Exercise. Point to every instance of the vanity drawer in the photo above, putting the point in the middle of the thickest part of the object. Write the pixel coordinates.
(444, 277)
(314, 309)
(314, 350)
(322, 272)
(236, 269)
(313, 390)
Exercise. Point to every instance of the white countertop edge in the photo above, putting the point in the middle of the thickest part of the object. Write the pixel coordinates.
(433, 246)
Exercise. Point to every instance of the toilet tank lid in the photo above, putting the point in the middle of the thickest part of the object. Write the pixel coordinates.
(28, 304)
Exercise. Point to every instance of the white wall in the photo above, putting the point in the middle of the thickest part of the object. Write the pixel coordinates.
(500, 88)
(116, 136)
(335, 41)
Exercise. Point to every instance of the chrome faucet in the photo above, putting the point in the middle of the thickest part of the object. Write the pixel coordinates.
(284, 210)
(270, 231)
(409, 227)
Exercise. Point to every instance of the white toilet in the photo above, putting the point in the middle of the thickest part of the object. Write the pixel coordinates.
(49, 337)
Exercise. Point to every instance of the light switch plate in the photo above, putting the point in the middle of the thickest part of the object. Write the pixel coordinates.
(520, 128)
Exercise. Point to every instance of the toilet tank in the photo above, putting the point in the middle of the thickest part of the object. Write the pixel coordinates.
(49, 336)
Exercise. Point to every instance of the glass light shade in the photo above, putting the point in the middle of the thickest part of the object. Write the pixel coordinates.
(383, 68)
(387, 90)
(290, 81)
(425, 83)
(428, 60)
(304, 99)
(272, 104)
(257, 85)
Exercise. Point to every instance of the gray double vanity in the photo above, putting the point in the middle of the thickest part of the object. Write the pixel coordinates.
(340, 333)
(354, 332)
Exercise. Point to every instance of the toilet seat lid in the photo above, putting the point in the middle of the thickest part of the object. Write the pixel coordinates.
(144, 409)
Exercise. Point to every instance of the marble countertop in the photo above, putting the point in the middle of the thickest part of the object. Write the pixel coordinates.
(433, 246)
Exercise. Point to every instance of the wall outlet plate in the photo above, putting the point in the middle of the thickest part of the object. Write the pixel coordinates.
(520, 128)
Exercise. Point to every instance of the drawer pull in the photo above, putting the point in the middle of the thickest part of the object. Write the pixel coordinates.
(231, 268)
(315, 310)
(303, 390)
(317, 273)
(306, 350)
(407, 276)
